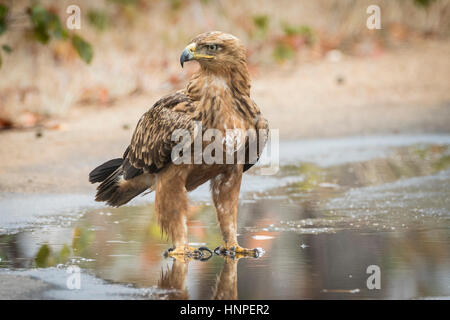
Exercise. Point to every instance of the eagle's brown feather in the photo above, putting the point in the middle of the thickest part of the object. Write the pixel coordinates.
(151, 144)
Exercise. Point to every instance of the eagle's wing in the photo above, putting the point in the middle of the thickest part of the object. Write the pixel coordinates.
(262, 135)
(151, 145)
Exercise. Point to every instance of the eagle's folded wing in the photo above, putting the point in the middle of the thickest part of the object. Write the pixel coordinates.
(262, 135)
(151, 145)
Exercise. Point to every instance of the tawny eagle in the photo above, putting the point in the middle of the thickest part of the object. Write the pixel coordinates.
(218, 97)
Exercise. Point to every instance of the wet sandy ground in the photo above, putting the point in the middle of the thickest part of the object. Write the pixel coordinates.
(335, 207)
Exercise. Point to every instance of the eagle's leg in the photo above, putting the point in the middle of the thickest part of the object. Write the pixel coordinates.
(175, 278)
(225, 190)
(171, 205)
(226, 284)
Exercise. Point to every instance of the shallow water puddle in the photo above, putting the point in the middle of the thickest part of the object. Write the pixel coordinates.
(320, 229)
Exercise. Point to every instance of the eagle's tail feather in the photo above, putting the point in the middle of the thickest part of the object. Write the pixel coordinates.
(116, 191)
(103, 171)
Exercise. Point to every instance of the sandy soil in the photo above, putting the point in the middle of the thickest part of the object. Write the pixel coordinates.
(404, 91)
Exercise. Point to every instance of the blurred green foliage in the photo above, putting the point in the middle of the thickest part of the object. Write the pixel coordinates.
(83, 48)
(312, 174)
(175, 4)
(46, 258)
(46, 24)
(423, 3)
(262, 25)
(99, 19)
(82, 239)
(301, 30)
(64, 254)
(43, 255)
(3, 26)
(282, 52)
(7, 48)
(124, 2)
(3, 14)
(442, 163)
(294, 38)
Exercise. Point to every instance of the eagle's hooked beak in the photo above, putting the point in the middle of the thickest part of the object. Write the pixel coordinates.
(189, 54)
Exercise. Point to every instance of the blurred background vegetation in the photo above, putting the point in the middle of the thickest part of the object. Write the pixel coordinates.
(130, 47)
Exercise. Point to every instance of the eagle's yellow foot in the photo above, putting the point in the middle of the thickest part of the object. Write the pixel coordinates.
(187, 253)
(237, 251)
(183, 251)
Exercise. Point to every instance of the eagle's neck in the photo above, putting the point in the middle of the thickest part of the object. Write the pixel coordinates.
(220, 95)
(231, 80)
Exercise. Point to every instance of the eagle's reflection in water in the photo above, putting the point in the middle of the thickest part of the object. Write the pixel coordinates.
(174, 280)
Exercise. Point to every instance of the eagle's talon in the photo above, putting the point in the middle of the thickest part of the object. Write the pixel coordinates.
(197, 254)
(205, 249)
(236, 252)
(203, 257)
(186, 251)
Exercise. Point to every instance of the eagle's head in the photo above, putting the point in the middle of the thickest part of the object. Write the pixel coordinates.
(215, 51)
